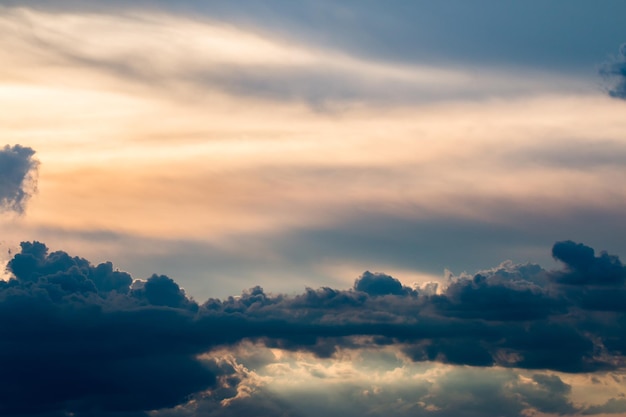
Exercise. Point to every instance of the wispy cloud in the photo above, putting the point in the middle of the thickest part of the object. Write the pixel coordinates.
(186, 55)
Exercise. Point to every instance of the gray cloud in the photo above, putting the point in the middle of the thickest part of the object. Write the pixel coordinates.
(615, 72)
(612, 406)
(375, 284)
(124, 346)
(18, 177)
(585, 268)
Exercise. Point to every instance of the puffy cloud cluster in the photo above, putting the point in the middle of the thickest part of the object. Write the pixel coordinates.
(78, 337)
(381, 284)
(86, 338)
(18, 176)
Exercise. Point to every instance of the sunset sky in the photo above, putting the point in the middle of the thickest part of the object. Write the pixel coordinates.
(399, 198)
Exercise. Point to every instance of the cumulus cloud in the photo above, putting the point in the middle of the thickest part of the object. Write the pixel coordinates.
(594, 282)
(79, 338)
(129, 346)
(381, 284)
(18, 177)
(615, 71)
(584, 268)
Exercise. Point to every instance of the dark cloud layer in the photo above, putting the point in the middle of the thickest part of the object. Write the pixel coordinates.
(87, 339)
(18, 175)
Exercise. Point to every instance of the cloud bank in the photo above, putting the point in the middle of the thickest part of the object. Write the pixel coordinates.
(18, 177)
(124, 346)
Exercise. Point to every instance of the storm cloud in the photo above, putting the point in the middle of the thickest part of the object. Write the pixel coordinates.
(18, 176)
(127, 346)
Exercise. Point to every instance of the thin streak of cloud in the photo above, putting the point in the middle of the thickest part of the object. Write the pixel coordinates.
(187, 55)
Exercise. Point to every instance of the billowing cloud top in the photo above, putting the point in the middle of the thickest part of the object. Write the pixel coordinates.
(18, 175)
(120, 346)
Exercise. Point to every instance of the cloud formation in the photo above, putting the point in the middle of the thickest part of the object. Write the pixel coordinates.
(175, 54)
(18, 176)
(220, 99)
(130, 346)
(111, 345)
(615, 71)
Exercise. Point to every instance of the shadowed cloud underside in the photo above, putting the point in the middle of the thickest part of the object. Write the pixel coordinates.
(131, 346)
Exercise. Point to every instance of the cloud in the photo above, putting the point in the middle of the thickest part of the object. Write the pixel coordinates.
(18, 177)
(381, 284)
(114, 348)
(584, 268)
(612, 406)
(459, 392)
(411, 33)
(594, 282)
(615, 71)
(195, 56)
(124, 346)
(507, 293)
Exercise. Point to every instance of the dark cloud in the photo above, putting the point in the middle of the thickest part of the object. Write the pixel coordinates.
(77, 338)
(160, 290)
(615, 71)
(499, 296)
(18, 176)
(381, 284)
(584, 268)
(127, 347)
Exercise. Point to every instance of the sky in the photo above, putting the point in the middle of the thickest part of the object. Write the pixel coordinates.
(312, 208)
